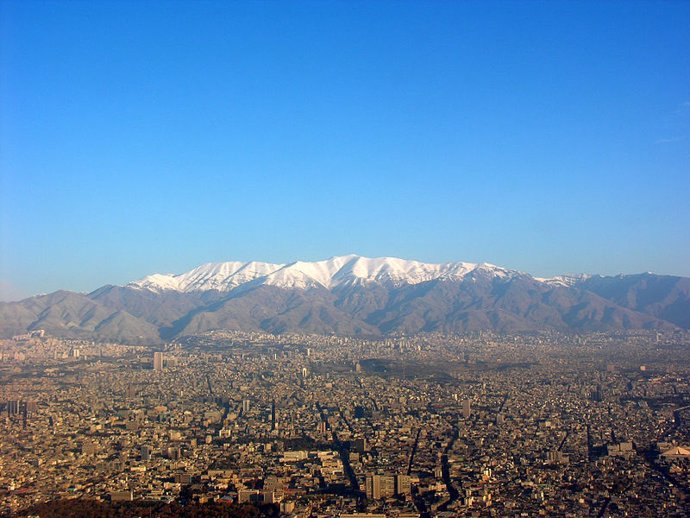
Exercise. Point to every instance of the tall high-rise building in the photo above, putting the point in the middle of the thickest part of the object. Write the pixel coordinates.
(27, 408)
(245, 406)
(360, 445)
(158, 361)
(13, 407)
(145, 452)
(403, 485)
(373, 486)
(381, 486)
(598, 393)
(466, 408)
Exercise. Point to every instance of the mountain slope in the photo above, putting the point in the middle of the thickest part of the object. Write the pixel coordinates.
(73, 315)
(481, 301)
(664, 296)
(277, 310)
(160, 308)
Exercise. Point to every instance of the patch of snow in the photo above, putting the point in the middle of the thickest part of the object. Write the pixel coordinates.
(563, 280)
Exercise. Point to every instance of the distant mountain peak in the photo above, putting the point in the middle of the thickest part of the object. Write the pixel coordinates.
(328, 273)
(206, 277)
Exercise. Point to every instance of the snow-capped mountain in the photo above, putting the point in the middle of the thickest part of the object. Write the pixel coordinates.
(353, 295)
(330, 273)
(209, 276)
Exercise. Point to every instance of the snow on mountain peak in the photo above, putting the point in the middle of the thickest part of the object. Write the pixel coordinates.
(210, 276)
(329, 273)
(566, 281)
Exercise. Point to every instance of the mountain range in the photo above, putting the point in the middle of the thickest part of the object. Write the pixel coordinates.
(353, 295)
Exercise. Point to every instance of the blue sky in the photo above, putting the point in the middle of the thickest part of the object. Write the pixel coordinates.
(141, 137)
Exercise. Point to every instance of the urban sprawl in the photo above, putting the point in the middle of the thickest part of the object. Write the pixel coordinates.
(427, 425)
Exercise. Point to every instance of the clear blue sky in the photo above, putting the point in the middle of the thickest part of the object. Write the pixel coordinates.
(141, 137)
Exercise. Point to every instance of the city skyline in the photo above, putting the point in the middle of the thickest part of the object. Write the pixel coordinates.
(550, 138)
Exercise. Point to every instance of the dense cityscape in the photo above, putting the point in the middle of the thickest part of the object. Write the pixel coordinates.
(541, 424)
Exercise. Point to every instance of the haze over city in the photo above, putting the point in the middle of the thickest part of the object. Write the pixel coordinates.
(546, 137)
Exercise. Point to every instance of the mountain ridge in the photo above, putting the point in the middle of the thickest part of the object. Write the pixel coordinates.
(329, 273)
(354, 295)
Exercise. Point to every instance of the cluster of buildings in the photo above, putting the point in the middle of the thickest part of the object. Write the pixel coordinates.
(428, 425)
